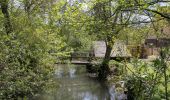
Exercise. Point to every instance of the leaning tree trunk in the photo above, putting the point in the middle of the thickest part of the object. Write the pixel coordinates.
(104, 68)
(7, 22)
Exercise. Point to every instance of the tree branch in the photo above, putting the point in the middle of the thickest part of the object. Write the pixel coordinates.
(159, 13)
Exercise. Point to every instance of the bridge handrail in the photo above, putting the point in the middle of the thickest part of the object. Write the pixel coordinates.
(80, 54)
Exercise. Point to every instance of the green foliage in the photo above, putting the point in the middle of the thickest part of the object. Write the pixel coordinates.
(72, 27)
(25, 66)
(36, 33)
(145, 80)
(28, 53)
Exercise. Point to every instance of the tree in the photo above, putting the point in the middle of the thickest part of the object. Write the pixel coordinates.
(4, 9)
(29, 52)
(108, 18)
(108, 23)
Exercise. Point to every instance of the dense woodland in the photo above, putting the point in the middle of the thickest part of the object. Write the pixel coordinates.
(35, 34)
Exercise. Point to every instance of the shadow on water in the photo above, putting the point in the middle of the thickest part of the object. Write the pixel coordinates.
(74, 84)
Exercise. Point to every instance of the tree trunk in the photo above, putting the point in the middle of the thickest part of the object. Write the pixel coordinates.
(166, 83)
(164, 65)
(104, 69)
(7, 22)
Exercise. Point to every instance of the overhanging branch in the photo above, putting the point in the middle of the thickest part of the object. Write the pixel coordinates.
(159, 13)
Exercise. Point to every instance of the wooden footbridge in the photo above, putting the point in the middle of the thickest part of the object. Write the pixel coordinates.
(81, 58)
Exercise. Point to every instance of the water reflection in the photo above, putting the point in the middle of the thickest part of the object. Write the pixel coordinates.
(59, 72)
(76, 85)
(72, 72)
(88, 96)
(112, 92)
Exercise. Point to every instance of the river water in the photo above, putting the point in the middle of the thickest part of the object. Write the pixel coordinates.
(75, 84)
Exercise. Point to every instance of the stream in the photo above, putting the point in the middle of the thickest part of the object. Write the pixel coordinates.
(75, 84)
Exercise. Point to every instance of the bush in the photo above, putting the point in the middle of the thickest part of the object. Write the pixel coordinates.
(144, 80)
(25, 65)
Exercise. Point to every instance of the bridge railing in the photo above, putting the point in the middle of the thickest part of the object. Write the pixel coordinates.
(80, 56)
